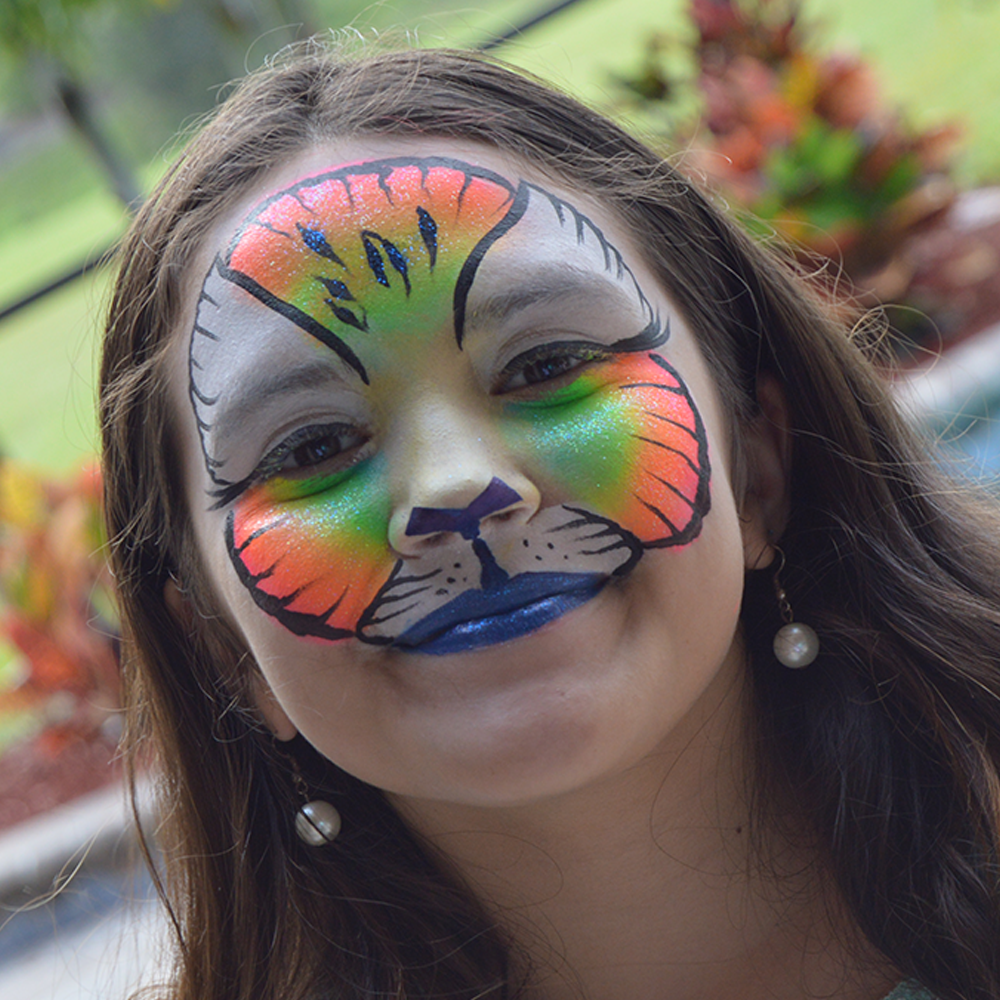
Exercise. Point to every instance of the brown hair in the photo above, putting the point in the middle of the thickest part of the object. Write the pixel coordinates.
(889, 742)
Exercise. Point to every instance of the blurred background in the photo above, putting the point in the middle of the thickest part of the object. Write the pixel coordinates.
(863, 136)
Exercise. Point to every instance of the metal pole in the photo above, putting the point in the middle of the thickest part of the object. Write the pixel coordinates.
(103, 258)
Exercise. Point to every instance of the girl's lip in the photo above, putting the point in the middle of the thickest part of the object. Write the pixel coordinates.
(478, 618)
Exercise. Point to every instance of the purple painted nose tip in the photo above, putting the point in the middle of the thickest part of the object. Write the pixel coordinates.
(464, 521)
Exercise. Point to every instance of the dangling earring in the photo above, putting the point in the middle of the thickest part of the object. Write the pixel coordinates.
(795, 644)
(316, 822)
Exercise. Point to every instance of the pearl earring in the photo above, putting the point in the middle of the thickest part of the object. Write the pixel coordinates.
(795, 645)
(316, 822)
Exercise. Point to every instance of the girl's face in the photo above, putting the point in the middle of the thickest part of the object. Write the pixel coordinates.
(456, 470)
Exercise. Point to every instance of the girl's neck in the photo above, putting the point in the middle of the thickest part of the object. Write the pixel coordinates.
(653, 884)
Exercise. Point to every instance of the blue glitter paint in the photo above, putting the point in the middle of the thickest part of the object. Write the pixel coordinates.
(478, 618)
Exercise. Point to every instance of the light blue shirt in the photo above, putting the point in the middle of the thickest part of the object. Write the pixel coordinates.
(909, 991)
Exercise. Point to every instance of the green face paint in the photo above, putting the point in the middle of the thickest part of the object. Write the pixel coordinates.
(625, 439)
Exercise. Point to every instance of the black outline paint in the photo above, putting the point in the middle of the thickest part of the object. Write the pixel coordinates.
(295, 315)
(701, 503)
(277, 607)
(467, 275)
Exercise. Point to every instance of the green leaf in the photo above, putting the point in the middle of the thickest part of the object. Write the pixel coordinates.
(900, 180)
(837, 156)
(786, 174)
(835, 207)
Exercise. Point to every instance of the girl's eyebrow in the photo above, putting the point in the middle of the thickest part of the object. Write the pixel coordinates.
(250, 396)
(547, 285)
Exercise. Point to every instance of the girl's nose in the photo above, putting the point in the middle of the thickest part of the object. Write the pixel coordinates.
(459, 481)
(497, 498)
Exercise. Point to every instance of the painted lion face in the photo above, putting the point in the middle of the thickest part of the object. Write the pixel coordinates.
(364, 283)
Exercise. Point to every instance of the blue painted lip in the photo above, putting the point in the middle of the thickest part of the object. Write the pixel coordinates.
(478, 618)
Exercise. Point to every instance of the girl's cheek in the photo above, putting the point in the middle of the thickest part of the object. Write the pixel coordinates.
(581, 443)
(314, 554)
(626, 441)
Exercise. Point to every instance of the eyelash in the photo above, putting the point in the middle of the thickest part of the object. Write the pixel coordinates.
(581, 352)
(275, 462)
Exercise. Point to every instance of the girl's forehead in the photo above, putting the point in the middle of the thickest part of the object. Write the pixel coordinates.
(345, 188)
(329, 157)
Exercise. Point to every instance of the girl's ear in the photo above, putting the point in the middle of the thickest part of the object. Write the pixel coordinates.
(261, 695)
(768, 444)
(270, 708)
(177, 603)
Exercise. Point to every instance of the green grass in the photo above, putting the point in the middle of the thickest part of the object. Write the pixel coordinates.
(33, 253)
(52, 175)
(48, 366)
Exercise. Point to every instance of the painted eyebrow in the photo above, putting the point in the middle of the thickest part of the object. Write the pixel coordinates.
(248, 399)
(546, 286)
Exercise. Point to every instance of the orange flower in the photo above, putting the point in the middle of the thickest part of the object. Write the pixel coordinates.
(848, 92)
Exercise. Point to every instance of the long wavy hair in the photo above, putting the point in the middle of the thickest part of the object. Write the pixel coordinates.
(890, 742)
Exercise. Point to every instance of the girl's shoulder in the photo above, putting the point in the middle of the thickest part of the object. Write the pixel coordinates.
(909, 991)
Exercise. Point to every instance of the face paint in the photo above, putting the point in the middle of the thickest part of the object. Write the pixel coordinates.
(627, 440)
(372, 264)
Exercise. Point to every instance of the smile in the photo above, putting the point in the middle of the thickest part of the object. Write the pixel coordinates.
(479, 618)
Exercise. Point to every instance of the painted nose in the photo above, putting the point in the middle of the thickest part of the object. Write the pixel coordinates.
(440, 522)
(456, 478)
(465, 521)
(426, 527)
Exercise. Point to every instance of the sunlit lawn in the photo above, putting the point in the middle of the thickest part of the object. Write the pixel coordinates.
(936, 56)
(48, 366)
(47, 350)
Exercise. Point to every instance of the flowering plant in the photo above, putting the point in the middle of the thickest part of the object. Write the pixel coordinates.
(58, 663)
(800, 140)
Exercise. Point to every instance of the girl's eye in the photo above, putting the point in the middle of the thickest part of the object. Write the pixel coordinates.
(312, 447)
(547, 368)
(318, 450)
(546, 363)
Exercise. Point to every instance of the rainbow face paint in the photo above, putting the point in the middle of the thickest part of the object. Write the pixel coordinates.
(346, 285)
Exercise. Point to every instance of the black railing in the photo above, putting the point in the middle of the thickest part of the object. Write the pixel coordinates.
(91, 264)
(524, 26)
(95, 262)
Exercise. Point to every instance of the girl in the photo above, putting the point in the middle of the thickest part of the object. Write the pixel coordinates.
(528, 591)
